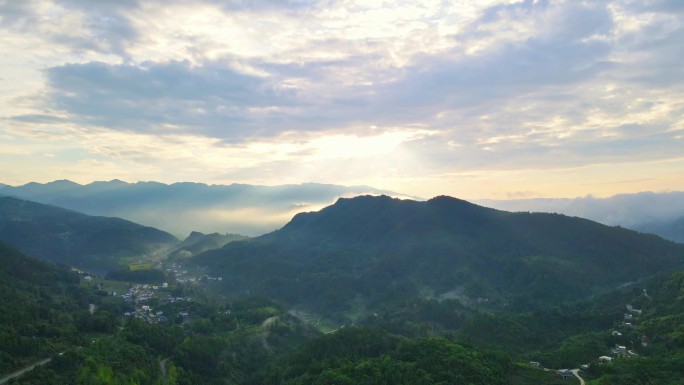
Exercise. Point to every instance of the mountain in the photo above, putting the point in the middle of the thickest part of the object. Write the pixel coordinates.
(42, 309)
(645, 318)
(197, 243)
(48, 314)
(183, 207)
(367, 250)
(672, 230)
(644, 211)
(65, 236)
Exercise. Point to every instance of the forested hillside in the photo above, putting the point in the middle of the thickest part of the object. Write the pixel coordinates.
(366, 251)
(197, 243)
(43, 310)
(65, 236)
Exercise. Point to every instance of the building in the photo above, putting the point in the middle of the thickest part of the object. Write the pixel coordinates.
(606, 359)
(535, 364)
(619, 349)
(565, 373)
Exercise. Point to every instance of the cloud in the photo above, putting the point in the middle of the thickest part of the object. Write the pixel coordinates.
(75, 24)
(318, 94)
(567, 47)
(348, 89)
(160, 97)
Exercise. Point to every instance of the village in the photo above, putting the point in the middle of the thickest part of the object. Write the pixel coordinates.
(145, 296)
(182, 276)
(148, 299)
(628, 322)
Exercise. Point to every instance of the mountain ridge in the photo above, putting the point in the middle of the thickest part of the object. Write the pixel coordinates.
(62, 235)
(644, 211)
(374, 246)
(198, 242)
(183, 207)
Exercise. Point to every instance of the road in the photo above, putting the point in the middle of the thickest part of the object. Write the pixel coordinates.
(264, 332)
(162, 365)
(21, 372)
(576, 373)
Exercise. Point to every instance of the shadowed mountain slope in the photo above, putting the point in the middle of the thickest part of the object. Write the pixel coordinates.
(672, 230)
(65, 236)
(370, 249)
(197, 243)
(41, 308)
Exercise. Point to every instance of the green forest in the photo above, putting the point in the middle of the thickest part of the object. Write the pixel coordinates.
(371, 290)
(256, 341)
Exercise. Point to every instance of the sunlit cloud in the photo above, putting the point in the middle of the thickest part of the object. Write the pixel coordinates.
(488, 98)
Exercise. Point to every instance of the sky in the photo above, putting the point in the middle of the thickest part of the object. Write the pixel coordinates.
(474, 99)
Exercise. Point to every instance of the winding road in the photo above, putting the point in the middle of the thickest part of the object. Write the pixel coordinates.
(576, 373)
(21, 372)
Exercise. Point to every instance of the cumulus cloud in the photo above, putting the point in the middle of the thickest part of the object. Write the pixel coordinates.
(75, 24)
(456, 88)
(163, 97)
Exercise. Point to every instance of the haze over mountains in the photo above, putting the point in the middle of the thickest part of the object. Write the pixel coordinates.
(181, 208)
(658, 213)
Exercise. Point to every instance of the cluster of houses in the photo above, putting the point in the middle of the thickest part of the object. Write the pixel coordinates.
(182, 275)
(148, 314)
(140, 295)
(629, 319)
(179, 273)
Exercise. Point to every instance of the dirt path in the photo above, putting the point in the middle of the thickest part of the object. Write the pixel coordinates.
(21, 372)
(264, 333)
(162, 366)
(576, 373)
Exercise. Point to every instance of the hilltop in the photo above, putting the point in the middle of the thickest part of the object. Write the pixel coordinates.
(369, 250)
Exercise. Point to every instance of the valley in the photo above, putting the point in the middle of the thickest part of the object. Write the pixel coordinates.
(369, 290)
(341, 192)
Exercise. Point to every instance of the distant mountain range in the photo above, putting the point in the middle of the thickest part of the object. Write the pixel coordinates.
(64, 236)
(184, 207)
(658, 213)
(181, 208)
(668, 229)
(368, 250)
